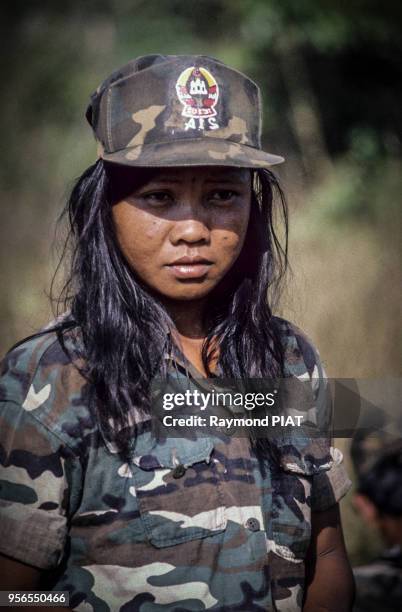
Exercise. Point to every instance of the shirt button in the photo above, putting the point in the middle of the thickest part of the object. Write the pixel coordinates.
(253, 524)
(179, 471)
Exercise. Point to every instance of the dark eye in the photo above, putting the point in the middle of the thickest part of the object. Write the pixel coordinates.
(222, 196)
(158, 198)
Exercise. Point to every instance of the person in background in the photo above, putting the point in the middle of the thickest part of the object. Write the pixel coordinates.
(377, 458)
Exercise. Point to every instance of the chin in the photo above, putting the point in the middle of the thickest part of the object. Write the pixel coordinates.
(189, 296)
(189, 291)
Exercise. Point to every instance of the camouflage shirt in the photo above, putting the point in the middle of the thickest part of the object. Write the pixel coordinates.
(188, 525)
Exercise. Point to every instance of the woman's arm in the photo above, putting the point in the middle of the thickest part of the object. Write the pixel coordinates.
(17, 576)
(329, 579)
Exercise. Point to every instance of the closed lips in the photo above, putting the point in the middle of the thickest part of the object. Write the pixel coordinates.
(188, 268)
(190, 261)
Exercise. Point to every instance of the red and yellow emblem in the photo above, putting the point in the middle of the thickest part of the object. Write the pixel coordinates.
(198, 91)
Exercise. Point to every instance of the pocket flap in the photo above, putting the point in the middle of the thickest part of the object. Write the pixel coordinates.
(304, 455)
(151, 453)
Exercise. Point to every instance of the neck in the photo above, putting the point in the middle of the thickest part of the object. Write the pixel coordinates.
(187, 317)
(190, 332)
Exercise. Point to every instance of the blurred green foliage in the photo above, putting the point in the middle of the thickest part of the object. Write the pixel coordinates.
(330, 73)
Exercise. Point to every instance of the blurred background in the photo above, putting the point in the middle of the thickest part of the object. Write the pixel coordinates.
(331, 77)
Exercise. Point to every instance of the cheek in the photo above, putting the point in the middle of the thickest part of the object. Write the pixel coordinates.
(139, 234)
(229, 240)
(230, 236)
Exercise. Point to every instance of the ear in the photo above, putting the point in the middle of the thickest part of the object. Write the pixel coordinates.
(365, 508)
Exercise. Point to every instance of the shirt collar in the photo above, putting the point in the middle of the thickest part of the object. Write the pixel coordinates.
(176, 358)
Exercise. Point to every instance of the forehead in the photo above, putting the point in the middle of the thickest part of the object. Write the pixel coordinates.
(203, 173)
(125, 180)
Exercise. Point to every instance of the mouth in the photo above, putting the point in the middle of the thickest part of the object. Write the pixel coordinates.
(190, 267)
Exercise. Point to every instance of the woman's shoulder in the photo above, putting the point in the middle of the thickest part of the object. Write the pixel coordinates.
(40, 377)
(41, 356)
(301, 356)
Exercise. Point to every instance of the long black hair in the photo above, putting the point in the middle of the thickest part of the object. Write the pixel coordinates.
(124, 330)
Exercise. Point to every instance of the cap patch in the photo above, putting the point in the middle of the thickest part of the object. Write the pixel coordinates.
(198, 92)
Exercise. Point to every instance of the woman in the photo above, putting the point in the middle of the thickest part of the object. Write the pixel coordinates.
(174, 253)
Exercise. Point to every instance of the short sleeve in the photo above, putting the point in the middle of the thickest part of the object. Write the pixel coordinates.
(37, 472)
(329, 486)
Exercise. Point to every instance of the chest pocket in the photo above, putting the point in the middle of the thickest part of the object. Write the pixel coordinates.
(178, 490)
(299, 462)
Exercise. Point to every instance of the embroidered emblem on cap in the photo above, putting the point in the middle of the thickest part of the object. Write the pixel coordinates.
(198, 91)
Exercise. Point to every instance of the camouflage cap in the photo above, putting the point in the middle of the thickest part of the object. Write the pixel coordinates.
(179, 110)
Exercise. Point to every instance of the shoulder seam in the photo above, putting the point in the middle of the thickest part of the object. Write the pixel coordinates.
(42, 355)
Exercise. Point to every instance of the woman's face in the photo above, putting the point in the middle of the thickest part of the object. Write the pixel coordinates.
(182, 231)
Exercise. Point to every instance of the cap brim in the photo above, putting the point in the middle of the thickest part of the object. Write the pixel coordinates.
(207, 151)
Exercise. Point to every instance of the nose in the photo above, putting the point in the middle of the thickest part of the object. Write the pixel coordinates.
(191, 231)
(191, 227)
